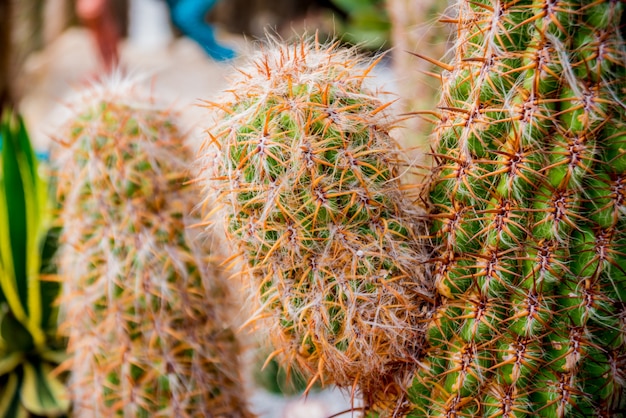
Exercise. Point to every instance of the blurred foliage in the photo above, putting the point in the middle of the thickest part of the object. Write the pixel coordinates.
(358, 22)
(367, 23)
(29, 348)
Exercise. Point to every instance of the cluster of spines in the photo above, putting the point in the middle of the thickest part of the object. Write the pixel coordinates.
(308, 176)
(145, 303)
(528, 202)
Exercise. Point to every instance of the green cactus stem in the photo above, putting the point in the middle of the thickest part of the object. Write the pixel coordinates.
(528, 196)
(301, 159)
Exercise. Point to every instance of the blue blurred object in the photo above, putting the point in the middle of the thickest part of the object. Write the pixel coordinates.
(43, 156)
(189, 16)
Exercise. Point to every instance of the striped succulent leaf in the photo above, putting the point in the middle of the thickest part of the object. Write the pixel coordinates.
(29, 347)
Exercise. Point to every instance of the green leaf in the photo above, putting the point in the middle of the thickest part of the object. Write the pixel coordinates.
(354, 6)
(26, 148)
(49, 289)
(20, 214)
(14, 237)
(34, 206)
(54, 356)
(9, 398)
(8, 362)
(14, 335)
(41, 393)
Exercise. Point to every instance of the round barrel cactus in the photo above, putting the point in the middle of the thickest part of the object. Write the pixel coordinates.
(146, 306)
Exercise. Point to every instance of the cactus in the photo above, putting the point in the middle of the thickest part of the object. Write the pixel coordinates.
(527, 199)
(528, 213)
(29, 346)
(145, 304)
(301, 160)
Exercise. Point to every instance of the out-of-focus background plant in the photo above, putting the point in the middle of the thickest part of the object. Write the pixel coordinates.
(366, 23)
(29, 346)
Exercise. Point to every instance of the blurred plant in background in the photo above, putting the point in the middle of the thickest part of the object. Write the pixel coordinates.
(366, 23)
(146, 305)
(29, 347)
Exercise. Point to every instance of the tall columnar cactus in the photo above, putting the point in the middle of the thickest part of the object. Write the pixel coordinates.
(528, 205)
(303, 164)
(144, 300)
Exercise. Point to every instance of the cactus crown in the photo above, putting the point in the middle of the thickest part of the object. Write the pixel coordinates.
(302, 161)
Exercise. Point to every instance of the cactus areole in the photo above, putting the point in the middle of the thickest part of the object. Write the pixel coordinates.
(528, 197)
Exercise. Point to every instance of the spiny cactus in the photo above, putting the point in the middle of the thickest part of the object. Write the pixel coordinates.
(303, 164)
(528, 199)
(145, 304)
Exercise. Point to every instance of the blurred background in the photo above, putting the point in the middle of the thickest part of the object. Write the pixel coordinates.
(47, 47)
(186, 49)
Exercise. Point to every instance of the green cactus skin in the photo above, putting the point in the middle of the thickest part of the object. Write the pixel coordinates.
(528, 197)
(145, 304)
(301, 159)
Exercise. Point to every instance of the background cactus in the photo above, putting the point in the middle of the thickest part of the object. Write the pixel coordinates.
(146, 306)
(528, 205)
(29, 346)
(302, 161)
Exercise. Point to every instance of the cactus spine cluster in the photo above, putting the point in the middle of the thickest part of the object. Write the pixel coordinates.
(144, 301)
(528, 200)
(303, 164)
